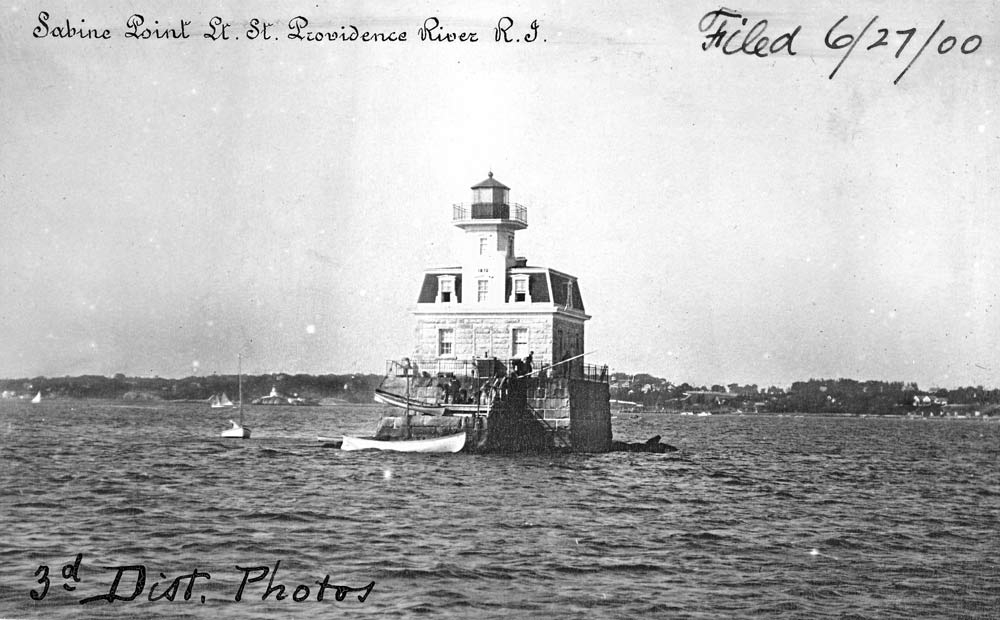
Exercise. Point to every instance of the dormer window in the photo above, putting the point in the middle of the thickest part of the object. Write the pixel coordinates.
(446, 289)
(519, 290)
(569, 294)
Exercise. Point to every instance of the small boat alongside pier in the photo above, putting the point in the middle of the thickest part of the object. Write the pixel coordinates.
(447, 444)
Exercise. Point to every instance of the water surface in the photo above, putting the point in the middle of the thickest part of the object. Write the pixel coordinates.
(754, 516)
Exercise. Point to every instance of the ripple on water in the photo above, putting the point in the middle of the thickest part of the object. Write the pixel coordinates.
(759, 517)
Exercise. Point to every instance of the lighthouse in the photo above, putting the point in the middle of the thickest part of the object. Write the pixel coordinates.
(478, 325)
(494, 304)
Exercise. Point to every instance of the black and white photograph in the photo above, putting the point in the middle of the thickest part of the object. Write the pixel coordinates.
(527, 309)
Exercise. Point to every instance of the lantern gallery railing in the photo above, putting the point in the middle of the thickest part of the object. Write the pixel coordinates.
(489, 211)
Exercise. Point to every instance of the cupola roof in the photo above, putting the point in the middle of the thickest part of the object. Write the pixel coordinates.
(489, 182)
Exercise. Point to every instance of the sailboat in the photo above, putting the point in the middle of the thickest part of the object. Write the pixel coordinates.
(238, 431)
(37, 399)
(219, 402)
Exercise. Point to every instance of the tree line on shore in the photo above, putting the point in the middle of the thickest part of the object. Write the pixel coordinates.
(354, 388)
(653, 393)
(812, 396)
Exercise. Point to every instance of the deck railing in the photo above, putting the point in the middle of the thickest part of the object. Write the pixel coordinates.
(433, 367)
(596, 373)
(488, 211)
(490, 367)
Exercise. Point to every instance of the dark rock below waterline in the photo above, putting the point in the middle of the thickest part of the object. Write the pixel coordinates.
(652, 444)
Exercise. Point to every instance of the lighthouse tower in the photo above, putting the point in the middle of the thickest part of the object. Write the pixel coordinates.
(494, 304)
(488, 248)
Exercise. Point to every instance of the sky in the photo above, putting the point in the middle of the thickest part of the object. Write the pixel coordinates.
(168, 205)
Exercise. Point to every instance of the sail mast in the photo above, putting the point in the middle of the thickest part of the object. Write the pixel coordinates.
(406, 420)
(239, 375)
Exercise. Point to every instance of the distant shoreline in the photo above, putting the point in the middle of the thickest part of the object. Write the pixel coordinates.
(628, 393)
(351, 389)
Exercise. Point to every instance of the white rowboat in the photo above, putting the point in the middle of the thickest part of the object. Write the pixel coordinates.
(451, 443)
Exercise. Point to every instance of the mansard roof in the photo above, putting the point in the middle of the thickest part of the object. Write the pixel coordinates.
(539, 281)
(429, 288)
(559, 281)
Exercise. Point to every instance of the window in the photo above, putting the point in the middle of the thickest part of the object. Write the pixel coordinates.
(446, 289)
(520, 292)
(510, 246)
(483, 290)
(446, 341)
(519, 342)
(569, 294)
(483, 244)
